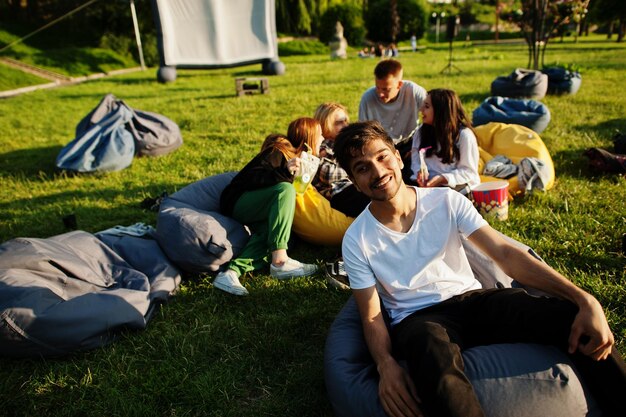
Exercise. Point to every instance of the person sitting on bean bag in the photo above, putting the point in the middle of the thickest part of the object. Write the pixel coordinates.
(262, 197)
(447, 143)
(404, 254)
(331, 180)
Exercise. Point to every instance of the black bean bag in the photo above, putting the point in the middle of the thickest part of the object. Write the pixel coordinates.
(521, 83)
(562, 81)
(529, 113)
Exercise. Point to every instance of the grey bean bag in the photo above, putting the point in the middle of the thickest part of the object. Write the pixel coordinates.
(73, 292)
(511, 380)
(153, 134)
(110, 136)
(192, 231)
(521, 83)
(562, 81)
(529, 113)
(105, 147)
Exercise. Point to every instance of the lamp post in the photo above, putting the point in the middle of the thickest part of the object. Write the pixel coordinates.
(438, 17)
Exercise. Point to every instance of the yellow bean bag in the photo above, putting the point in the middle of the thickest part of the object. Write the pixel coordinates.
(516, 142)
(315, 221)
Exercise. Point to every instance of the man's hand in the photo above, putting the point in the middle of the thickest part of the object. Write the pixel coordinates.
(396, 391)
(590, 333)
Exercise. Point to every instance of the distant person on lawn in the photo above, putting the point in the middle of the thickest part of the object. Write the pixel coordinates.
(331, 180)
(395, 103)
(406, 250)
(262, 197)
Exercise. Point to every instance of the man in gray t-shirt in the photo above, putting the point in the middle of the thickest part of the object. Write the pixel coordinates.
(395, 103)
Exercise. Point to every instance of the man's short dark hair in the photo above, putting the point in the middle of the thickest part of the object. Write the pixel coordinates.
(352, 139)
(387, 67)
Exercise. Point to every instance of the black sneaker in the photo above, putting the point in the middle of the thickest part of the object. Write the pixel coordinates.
(336, 275)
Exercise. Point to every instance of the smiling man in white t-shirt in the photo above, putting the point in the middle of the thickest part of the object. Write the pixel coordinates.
(406, 250)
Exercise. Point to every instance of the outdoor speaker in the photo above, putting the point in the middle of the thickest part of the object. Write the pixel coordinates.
(452, 29)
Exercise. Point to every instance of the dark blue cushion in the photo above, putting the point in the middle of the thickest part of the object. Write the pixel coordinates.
(562, 81)
(521, 83)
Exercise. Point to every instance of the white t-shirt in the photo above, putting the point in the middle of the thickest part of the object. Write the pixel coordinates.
(462, 171)
(419, 268)
(399, 118)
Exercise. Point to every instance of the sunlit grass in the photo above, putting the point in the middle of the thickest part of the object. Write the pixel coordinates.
(208, 353)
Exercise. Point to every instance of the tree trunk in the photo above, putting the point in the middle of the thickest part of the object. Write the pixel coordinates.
(395, 20)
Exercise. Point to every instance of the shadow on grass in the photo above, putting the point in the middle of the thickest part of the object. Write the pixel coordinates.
(607, 128)
(575, 164)
(568, 47)
(30, 162)
(607, 264)
(44, 216)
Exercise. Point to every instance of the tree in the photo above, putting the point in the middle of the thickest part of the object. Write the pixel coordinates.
(539, 20)
(395, 20)
(351, 17)
(412, 18)
(610, 12)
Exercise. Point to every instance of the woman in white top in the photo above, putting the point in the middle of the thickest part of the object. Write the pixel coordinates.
(447, 143)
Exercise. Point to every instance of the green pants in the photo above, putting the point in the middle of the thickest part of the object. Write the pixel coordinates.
(268, 213)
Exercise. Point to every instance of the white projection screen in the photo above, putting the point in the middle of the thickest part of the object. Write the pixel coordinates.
(215, 33)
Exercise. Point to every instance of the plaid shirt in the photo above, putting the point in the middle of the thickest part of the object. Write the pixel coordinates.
(331, 179)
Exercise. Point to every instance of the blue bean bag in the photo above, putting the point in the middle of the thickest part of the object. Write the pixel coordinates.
(521, 83)
(529, 113)
(510, 380)
(562, 81)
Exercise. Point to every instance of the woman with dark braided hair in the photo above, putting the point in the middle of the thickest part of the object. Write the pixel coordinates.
(445, 150)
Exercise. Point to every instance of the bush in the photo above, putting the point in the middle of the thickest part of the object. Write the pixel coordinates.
(127, 47)
(302, 47)
(351, 18)
(413, 17)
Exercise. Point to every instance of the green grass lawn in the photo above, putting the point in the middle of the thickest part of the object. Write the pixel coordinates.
(11, 79)
(209, 353)
(60, 58)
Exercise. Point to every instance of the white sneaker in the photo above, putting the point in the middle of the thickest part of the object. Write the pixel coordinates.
(291, 269)
(229, 281)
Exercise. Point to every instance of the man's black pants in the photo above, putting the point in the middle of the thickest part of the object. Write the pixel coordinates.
(431, 341)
